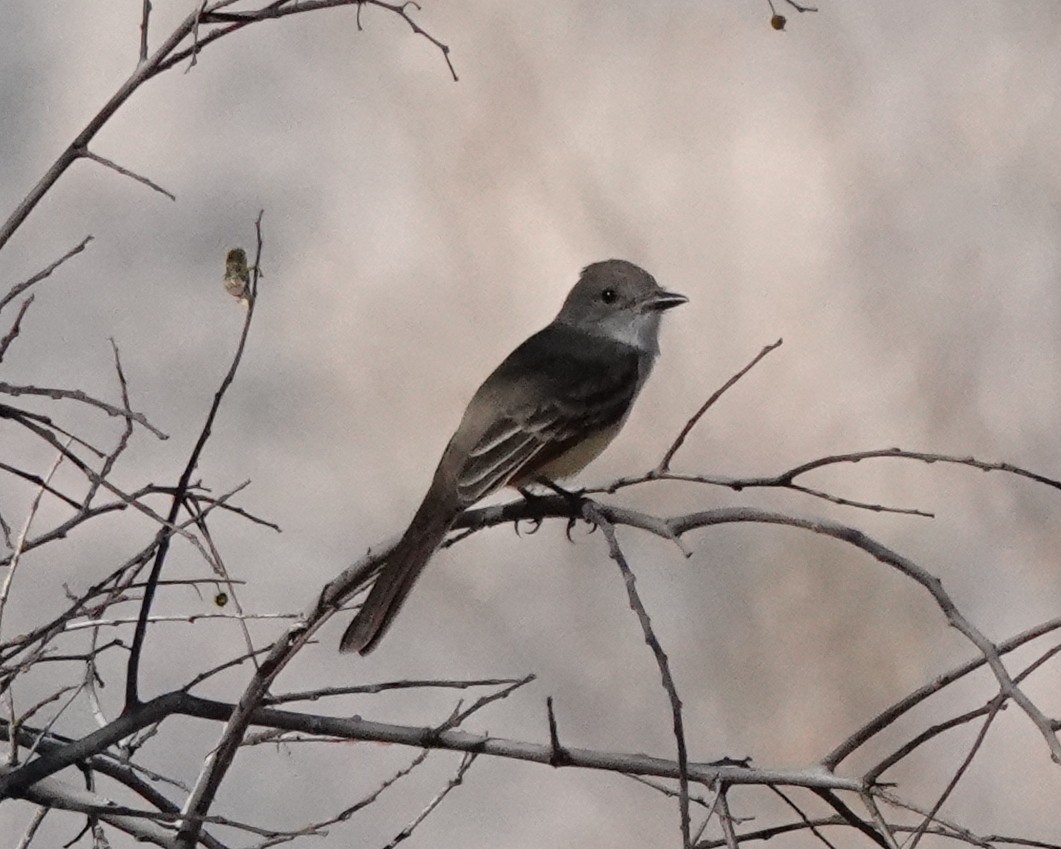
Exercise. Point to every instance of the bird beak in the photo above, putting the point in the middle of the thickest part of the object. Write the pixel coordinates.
(664, 300)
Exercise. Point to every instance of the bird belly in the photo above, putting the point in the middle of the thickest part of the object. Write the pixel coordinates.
(575, 459)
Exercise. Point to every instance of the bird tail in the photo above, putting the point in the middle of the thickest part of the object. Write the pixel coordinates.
(404, 565)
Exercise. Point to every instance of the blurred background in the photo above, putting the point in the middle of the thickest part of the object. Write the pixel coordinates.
(878, 185)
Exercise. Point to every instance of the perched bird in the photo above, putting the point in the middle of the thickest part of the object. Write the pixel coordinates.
(550, 408)
(238, 276)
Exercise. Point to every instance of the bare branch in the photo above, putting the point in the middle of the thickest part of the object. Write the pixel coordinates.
(165, 57)
(452, 784)
(144, 18)
(346, 813)
(370, 689)
(28, 420)
(127, 431)
(420, 737)
(680, 525)
(114, 166)
(132, 679)
(229, 22)
(872, 775)
(84, 398)
(17, 290)
(31, 829)
(186, 618)
(595, 516)
(924, 457)
(804, 818)
(53, 793)
(5, 587)
(664, 464)
(906, 567)
(981, 735)
(37, 480)
(726, 819)
(459, 716)
(850, 817)
(12, 334)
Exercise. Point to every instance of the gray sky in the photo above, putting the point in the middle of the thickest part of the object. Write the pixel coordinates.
(878, 186)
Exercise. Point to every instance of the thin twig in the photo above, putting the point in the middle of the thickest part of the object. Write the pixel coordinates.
(186, 618)
(114, 166)
(559, 753)
(384, 686)
(20, 541)
(888, 716)
(459, 716)
(84, 398)
(31, 829)
(18, 289)
(419, 737)
(346, 813)
(595, 516)
(132, 680)
(726, 819)
(452, 784)
(167, 55)
(921, 456)
(929, 582)
(664, 464)
(850, 817)
(38, 481)
(802, 816)
(131, 501)
(127, 431)
(873, 775)
(144, 18)
(12, 334)
(200, 518)
(887, 831)
(28, 420)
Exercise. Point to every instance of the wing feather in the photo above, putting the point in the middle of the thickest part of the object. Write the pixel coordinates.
(558, 388)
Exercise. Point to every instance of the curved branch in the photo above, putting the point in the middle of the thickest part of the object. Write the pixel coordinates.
(167, 56)
(680, 525)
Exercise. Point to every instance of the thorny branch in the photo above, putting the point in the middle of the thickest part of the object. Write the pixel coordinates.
(39, 752)
(132, 691)
(596, 517)
(185, 42)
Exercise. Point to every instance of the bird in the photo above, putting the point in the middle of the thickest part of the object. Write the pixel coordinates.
(237, 276)
(552, 406)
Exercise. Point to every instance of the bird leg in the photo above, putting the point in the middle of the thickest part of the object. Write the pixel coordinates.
(531, 499)
(576, 500)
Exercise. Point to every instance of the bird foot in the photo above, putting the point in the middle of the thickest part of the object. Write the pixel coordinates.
(576, 500)
(531, 499)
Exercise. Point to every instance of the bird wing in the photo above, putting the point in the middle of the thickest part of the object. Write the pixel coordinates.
(558, 388)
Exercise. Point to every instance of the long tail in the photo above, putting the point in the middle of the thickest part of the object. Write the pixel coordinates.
(424, 534)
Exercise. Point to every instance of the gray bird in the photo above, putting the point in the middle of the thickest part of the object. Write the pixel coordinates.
(550, 408)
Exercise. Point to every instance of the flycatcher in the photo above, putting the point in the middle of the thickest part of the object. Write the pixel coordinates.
(550, 408)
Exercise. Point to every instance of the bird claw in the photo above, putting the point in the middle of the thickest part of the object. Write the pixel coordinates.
(577, 501)
(536, 523)
(571, 522)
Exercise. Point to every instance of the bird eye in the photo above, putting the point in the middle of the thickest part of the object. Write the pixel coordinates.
(609, 296)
